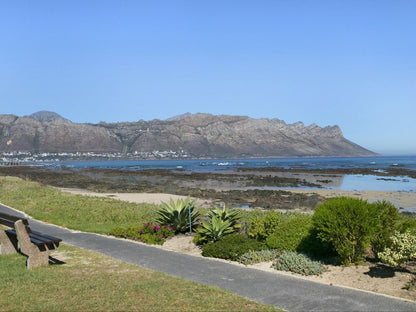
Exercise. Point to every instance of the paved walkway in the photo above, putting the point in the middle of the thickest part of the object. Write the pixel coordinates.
(282, 291)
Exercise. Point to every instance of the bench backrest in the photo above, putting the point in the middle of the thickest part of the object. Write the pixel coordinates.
(9, 220)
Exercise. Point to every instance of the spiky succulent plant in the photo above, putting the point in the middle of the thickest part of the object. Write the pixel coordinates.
(177, 215)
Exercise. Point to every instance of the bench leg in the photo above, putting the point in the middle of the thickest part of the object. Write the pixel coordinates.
(36, 257)
(6, 245)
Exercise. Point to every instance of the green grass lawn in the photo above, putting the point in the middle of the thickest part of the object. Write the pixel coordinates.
(78, 212)
(89, 281)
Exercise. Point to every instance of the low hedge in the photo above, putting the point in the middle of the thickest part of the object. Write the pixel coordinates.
(290, 233)
(231, 247)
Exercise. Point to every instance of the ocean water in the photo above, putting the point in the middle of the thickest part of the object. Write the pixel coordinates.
(349, 182)
(211, 165)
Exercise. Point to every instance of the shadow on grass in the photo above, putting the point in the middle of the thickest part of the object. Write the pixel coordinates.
(54, 261)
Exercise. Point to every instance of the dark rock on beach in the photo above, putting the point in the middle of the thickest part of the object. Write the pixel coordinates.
(229, 189)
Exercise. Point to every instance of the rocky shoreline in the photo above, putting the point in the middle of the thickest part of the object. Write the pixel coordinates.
(248, 187)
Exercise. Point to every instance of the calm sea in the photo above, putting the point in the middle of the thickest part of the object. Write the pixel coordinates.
(349, 182)
(406, 162)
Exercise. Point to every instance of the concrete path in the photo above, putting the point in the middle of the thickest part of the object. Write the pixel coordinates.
(285, 292)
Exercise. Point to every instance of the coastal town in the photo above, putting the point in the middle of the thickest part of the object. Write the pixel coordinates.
(21, 157)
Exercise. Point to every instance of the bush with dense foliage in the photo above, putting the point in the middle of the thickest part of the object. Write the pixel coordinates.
(290, 233)
(312, 245)
(149, 233)
(262, 226)
(348, 224)
(130, 232)
(231, 247)
(298, 263)
(219, 222)
(401, 250)
(387, 220)
(155, 234)
(257, 256)
(407, 223)
(180, 215)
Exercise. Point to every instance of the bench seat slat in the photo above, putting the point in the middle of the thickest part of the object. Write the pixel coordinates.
(6, 222)
(49, 237)
(38, 240)
(7, 217)
(32, 239)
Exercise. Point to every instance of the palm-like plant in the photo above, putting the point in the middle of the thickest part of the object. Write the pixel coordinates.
(176, 214)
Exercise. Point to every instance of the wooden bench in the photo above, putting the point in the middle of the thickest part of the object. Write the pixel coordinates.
(36, 246)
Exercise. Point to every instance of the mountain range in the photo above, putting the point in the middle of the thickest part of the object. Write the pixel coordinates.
(197, 135)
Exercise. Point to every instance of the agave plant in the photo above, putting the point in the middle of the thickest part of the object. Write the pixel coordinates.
(219, 222)
(226, 214)
(214, 229)
(176, 214)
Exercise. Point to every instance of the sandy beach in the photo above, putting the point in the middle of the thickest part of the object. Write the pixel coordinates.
(151, 198)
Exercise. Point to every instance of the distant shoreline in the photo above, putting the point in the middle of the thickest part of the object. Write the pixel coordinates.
(289, 184)
(132, 158)
(405, 202)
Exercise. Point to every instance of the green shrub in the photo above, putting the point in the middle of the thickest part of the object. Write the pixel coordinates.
(176, 215)
(313, 246)
(348, 224)
(387, 219)
(262, 226)
(148, 233)
(402, 249)
(407, 223)
(231, 247)
(199, 239)
(297, 263)
(257, 256)
(155, 234)
(130, 232)
(290, 233)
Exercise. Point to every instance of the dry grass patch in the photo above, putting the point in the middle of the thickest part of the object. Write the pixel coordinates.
(89, 281)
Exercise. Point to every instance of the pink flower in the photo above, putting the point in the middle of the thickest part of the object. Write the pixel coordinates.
(162, 236)
(140, 231)
(156, 227)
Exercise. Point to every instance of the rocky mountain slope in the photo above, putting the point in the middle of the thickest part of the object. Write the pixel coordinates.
(198, 135)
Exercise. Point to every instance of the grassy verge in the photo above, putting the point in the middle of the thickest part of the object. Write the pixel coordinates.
(91, 214)
(89, 281)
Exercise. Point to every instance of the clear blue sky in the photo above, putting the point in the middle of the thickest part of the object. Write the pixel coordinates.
(350, 63)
